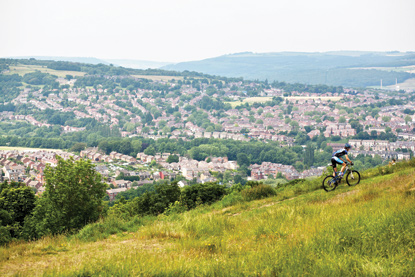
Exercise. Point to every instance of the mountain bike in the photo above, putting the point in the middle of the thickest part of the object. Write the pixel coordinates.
(352, 178)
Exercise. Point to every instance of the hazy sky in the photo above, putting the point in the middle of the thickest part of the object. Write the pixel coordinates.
(182, 30)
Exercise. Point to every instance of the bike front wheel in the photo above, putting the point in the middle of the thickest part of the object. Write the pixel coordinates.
(353, 178)
(329, 183)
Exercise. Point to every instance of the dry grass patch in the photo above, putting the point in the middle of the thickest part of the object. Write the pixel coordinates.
(23, 69)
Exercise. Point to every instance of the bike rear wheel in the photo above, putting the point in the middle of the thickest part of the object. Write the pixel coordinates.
(353, 178)
(329, 183)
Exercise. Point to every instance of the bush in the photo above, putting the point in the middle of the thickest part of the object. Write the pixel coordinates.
(109, 226)
(258, 192)
(5, 236)
(253, 183)
(231, 199)
(175, 208)
(155, 202)
(206, 193)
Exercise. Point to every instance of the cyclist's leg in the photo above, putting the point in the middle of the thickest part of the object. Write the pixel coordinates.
(338, 161)
(334, 165)
(343, 167)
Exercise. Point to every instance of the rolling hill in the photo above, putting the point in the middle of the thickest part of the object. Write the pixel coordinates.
(332, 68)
(129, 63)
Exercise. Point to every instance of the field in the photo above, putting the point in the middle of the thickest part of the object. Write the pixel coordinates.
(23, 69)
(251, 100)
(158, 78)
(367, 230)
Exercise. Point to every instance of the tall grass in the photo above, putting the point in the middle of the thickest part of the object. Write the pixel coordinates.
(364, 230)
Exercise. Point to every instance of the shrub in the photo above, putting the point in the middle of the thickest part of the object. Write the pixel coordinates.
(154, 202)
(258, 192)
(231, 199)
(175, 208)
(5, 236)
(102, 229)
(253, 183)
(206, 193)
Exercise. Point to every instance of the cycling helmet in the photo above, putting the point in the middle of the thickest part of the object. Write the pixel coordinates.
(347, 145)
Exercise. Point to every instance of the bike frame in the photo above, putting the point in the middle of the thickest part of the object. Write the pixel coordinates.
(348, 168)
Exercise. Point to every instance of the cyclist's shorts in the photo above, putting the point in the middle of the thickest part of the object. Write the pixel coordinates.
(335, 161)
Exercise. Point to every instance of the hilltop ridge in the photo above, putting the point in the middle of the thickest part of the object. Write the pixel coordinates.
(345, 68)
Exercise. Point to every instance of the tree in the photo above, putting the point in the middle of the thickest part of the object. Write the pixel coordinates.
(237, 179)
(72, 198)
(309, 155)
(173, 159)
(150, 151)
(299, 166)
(386, 118)
(243, 159)
(78, 147)
(136, 145)
(16, 203)
(294, 125)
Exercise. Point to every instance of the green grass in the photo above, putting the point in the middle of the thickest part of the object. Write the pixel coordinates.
(302, 230)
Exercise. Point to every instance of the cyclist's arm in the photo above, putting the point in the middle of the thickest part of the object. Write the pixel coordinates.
(347, 158)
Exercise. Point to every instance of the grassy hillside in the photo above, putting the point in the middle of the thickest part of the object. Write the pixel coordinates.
(364, 230)
(24, 69)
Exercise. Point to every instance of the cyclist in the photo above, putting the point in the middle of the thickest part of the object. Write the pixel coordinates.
(337, 159)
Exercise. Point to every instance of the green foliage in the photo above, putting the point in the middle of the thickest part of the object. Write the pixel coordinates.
(9, 87)
(258, 192)
(173, 159)
(208, 103)
(231, 199)
(203, 151)
(61, 65)
(72, 199)
(150, 202)
(128, 178)
(150, 151)
(16, 203)
(39, 78)
(111, 225)
(243, 159)
(200, 194)
(309, 155)
(78, 147)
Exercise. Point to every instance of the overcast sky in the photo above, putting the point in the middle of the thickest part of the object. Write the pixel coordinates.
(183, 30)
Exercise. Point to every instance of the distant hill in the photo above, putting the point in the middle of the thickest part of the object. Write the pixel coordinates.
(136, 64)
(89, 60)
(331, 68)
